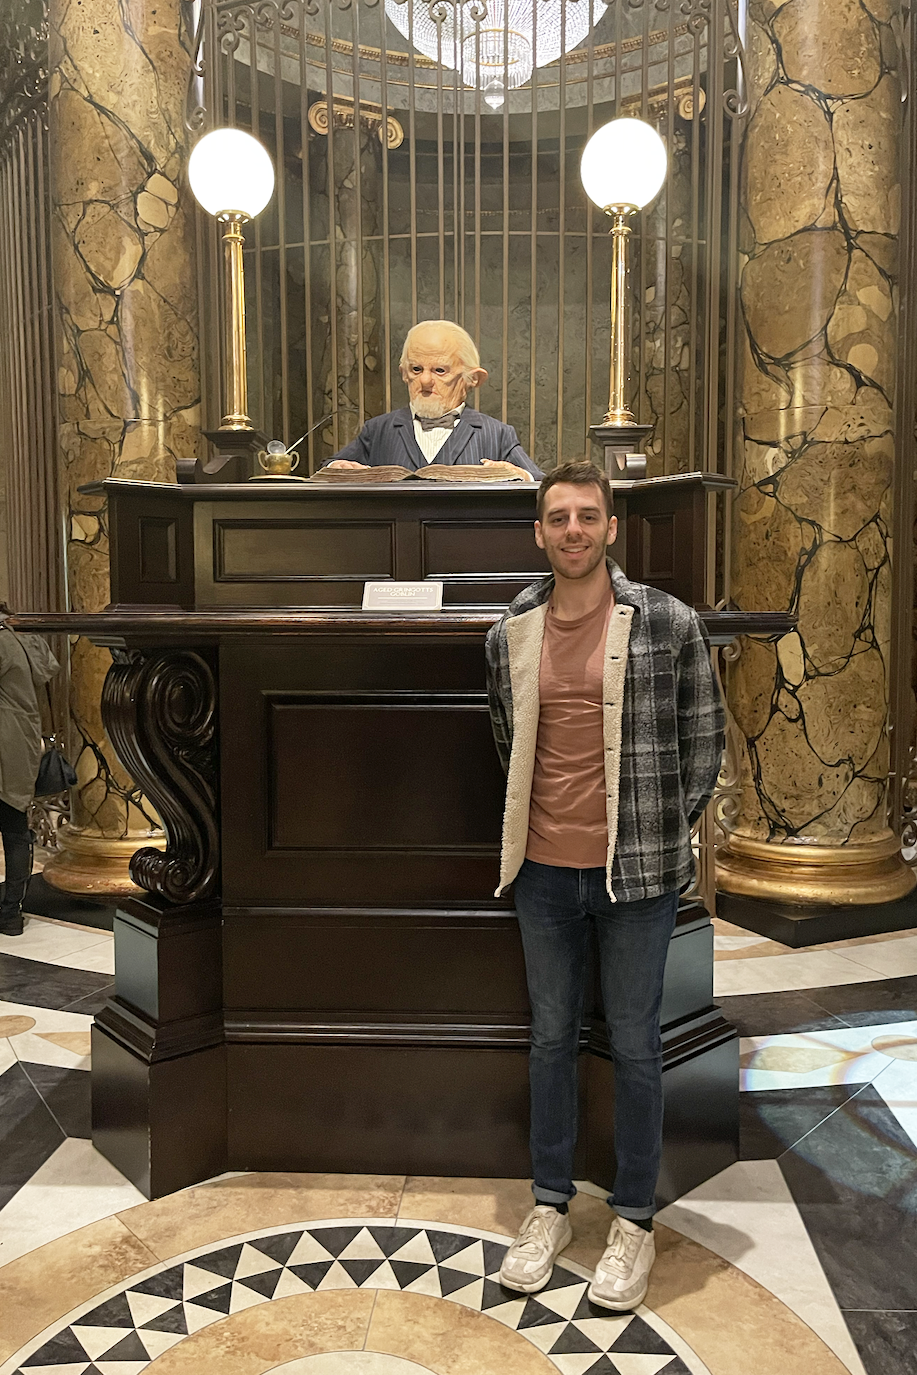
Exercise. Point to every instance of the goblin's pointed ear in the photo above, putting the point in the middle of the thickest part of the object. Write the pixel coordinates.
(477, 377)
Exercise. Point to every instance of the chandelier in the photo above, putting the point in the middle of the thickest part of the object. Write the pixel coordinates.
(495, 44)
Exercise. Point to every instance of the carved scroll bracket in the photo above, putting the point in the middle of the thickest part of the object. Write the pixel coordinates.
(160, 712)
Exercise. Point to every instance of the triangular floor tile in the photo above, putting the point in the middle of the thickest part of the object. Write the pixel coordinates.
(198, 1282)
(470, 1296)
(639, 1364)
(242, 1297)
(507, 1313)
(336, 1239)
(217, 1299)
(337, 1278)
(113, 1313)
(172, 1320)
(416, 1249)
(391, 1239)
(97, 1340)
(564, 1302)
(545, 1336)
(640, 1338)
(450, 1280)
(561, 1278)
(168, 1284)
(445, 1245)
(129, 1349)
(494, 1294)
(407, 1271)
(59, 1350)
(157, 1343)
(196, 1318)
(574, 1342)
(385, 1278)
(252, 1262)
(360, 1270)
(121, 1367)
(493, 1257)
(290, 1284)
(605, 1331)
(575, 1364)
(279, 1247)
(427, 1283)
(265, 1284)
(363, 1247)
(535, 1314)
(68, 1369)
(221, 1262)
(603, 1366)
(145, 1307)
(471, 1260)
(308, 1251)
(313, 1273)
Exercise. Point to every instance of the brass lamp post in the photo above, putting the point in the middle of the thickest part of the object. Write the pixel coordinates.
(232, 177)
(622, 170)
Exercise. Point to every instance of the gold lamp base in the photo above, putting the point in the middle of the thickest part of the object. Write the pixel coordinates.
(865, 873)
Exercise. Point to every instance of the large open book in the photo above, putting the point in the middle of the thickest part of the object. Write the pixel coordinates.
(433, 472)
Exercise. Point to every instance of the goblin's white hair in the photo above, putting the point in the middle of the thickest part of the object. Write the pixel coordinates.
(467, 349)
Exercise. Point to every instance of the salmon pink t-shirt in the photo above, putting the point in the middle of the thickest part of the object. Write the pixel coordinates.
(567, 819)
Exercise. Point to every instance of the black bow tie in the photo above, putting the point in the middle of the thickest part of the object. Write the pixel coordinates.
(438, 422)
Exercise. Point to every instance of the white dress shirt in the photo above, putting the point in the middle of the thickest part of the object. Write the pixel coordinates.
(431, 441)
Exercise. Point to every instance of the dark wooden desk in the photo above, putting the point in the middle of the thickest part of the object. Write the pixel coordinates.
(320, 978)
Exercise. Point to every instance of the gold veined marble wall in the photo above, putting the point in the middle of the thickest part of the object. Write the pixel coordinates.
(127, 342)
(821, 202)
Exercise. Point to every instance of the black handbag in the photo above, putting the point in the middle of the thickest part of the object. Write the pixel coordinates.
(55, 772)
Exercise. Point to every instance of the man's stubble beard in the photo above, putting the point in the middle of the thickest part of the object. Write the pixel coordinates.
(579, 573)
(430, 407)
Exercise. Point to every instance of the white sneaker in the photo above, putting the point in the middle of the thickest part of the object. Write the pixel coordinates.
(528, 1263)
(622, 1276)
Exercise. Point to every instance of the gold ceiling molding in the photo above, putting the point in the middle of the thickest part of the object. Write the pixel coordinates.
(400, 59)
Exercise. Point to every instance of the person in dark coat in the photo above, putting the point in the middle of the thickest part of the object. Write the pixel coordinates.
(26, 664)
(441, 365)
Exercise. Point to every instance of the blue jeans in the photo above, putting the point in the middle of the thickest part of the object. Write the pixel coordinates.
(556, 909)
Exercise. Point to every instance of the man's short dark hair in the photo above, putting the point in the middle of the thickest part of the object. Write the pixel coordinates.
(582, 473)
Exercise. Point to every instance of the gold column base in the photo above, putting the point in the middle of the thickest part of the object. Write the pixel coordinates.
(90, 864)
(860, 874)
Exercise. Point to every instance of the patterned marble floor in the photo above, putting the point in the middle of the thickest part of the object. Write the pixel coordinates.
(800, 1258)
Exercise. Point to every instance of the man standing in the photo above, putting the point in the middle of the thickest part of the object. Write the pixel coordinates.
(440, 364)
(609, 722)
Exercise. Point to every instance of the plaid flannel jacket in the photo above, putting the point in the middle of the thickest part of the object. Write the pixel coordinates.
(664, 737)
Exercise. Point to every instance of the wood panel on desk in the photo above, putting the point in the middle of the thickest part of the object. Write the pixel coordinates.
(347, 783)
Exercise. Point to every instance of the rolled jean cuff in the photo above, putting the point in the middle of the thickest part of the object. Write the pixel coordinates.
(633, 1214)
(552, 1195)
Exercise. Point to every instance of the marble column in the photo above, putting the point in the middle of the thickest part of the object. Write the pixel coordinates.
(127, 348)
(820, 196)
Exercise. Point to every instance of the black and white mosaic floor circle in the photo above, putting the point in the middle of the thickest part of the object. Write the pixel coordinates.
(124, 1330)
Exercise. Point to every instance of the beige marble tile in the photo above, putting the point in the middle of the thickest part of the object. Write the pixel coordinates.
(73, 1188)
(800, 970)
(746, 1214)
(734, 1326)
(242, 1203)
(44, 1285)
(450, 1339)
(260, 1339)
(493, 1205)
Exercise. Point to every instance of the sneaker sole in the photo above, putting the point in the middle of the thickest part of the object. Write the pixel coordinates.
(527, 1288)
(613, 1307)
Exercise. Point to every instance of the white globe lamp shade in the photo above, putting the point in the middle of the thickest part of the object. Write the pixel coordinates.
(231, 173)
(624, 163)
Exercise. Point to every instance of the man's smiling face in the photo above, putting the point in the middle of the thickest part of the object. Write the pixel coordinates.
(436, 377)
(575, 529)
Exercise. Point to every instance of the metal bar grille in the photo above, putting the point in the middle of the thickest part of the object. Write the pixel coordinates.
(431, 215)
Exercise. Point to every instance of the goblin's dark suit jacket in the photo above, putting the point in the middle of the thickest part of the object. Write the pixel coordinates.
(389, 439)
